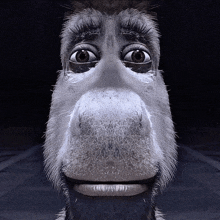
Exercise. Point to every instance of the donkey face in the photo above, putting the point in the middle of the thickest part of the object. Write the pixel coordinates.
(110, 132)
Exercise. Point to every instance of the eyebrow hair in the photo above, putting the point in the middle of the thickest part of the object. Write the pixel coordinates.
(87, 30)
(135, 31)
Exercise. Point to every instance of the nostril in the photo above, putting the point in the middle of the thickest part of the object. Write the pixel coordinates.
(85, 128)
(140, 124)
(135, 127)
(79, 126)
(79, 122)
(140, 121)
(109, 146)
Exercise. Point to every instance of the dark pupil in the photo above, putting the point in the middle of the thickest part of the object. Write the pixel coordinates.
(138, 56)
(82, 56)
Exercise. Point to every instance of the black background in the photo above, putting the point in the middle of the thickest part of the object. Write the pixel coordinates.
(190, 58)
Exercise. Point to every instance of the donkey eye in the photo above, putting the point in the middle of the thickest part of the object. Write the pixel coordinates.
(83, 56)
(137, 56)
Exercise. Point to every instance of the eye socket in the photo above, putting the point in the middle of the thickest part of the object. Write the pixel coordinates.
(137, 56)
(83, 56)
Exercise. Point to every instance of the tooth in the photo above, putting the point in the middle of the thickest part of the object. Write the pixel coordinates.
(110, 190)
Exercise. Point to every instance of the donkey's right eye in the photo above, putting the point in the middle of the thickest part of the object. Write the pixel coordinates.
(83, 56)
(82, 60)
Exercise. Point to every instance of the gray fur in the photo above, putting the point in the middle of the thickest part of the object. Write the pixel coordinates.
(94, 132)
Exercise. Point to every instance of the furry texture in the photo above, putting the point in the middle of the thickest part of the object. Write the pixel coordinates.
(113, 6)
(110, 130)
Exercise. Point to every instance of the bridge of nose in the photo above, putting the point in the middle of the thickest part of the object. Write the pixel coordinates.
(110, 66)
(110, 42)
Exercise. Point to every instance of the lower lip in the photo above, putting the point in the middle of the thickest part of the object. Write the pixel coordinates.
(110, 189)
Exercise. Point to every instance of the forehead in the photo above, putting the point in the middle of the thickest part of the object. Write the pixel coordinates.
(90, 14)
(91, 20)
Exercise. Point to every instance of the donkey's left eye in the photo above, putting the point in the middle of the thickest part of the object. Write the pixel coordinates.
(83, 56)
(137, 56)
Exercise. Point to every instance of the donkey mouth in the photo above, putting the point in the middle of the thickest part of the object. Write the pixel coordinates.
(92, 188)
(110, 189)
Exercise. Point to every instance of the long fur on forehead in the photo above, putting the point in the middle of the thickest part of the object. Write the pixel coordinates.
(113, 6)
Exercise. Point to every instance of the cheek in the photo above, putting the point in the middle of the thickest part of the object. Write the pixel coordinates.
(74, 77)
(81, 68)
(138, 80)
